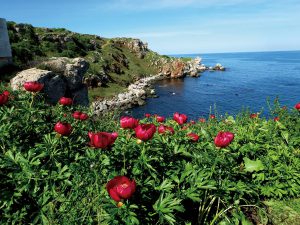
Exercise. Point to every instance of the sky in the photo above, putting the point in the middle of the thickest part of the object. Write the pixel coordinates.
(172, 26)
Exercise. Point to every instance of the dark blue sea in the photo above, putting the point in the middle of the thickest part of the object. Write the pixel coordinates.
(249, 81)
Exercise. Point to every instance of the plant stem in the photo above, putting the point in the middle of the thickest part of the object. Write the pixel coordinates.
(32, 99)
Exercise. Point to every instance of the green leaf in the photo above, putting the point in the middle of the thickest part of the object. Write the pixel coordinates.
(285, 135)
(251, 165)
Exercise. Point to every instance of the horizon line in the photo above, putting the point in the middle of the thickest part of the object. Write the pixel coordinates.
(258, 51)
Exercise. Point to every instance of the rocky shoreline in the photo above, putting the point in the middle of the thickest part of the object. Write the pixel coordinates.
(137, 92)
(64, 77)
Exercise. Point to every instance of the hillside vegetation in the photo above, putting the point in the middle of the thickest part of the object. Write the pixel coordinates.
(114, 63)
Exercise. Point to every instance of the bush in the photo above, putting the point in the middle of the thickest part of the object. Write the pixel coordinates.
(50, 179)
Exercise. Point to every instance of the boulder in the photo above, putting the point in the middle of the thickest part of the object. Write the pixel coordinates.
(63, 77)
(219, 67)
(54, 85)
(54, 89)
(33, 74)
(81, 96)
(73, 70)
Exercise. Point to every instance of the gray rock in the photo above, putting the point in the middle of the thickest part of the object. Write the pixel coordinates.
(66, 76)
(80, 96)
(135, 95)
(54, 89)
(30, 75)
(75, 71)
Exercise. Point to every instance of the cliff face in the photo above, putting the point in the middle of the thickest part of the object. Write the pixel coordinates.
(114, 63)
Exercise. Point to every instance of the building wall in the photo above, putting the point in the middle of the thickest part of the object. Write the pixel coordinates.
(5, 48)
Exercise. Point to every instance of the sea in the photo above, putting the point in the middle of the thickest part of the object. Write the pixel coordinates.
(252, 81)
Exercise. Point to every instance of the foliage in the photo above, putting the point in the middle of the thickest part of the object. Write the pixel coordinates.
(50, 179)
(107, 57)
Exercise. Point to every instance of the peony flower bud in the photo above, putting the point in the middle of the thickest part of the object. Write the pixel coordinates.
(162, 129)
(33, 86)
(194, 137)
(65, 101)
(64, 129)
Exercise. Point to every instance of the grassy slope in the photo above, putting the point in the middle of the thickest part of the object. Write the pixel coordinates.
(31, 45)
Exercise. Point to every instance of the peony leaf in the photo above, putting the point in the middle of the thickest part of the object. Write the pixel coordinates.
(285, 136)
(253, 165)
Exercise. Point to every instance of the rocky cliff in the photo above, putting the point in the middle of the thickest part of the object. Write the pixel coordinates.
(114, 63)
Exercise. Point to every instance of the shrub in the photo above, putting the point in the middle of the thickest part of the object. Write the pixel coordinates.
(46, 178)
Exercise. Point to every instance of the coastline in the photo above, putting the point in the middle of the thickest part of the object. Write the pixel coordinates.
(137, 93)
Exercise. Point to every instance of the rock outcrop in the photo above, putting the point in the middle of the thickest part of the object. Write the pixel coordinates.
(135, 95)
(60, 76)
(219, 67)
(136, 46)
(194, 67)
(174, 69)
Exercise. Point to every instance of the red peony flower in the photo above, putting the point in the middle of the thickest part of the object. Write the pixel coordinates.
(145, 132)
(64, 129)
(3, 99)
(162, 129)
(80, 115)
(202, 120)
(120, 188)
(194, 137)
(147, 115)
(180, 118)
(33, 86)
(276, 118)
(65, 101)
(114, 135)
(160, 119)
(192, 122)
(102, 139)
(297, 106)
(253, 115)
(212, 116)
(7, 93)
(76, 115)
(128, 122)
(223, 139)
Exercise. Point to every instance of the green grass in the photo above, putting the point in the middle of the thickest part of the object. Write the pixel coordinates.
(105, 92)
(185, 59)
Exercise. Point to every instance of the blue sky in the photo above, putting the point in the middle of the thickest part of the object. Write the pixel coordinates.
(172, 26)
